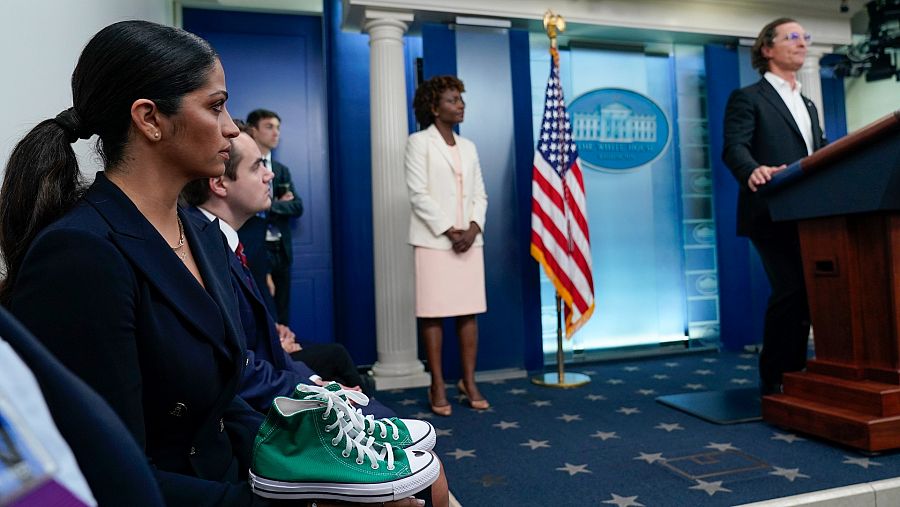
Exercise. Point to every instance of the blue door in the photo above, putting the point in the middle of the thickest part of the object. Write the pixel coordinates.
(274, 62)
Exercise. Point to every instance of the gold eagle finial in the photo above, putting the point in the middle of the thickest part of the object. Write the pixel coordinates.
(554, 24)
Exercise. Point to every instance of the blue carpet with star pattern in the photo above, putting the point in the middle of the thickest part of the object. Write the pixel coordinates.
(610, 443)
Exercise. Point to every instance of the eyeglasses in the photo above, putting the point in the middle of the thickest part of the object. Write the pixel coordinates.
(794, 37)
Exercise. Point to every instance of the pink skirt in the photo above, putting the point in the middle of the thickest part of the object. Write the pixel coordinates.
(449, 284)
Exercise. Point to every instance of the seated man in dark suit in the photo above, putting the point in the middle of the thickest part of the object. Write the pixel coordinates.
(271, 236)
(233, 198)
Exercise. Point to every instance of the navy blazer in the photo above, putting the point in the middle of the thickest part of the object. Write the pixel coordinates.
(253, 232)
(760, 130)
(253, 237)
(112, 464)
(110, 299)
(271, 371)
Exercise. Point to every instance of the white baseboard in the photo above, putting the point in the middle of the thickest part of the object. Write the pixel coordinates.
(884, 493)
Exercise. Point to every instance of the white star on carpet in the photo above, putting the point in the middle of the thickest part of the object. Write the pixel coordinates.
(671, 365)
(503, 425)
(422, 415)
(788, 473)
(517, 391)
(623, 501)
(646, 392)
(407, 401)
(615, 381)
(711, 488)
(605, 435)
(740, 381)
(745, 367)
(489, 410)
(595, 397)
(541, 403)
(710, 360)
(443, 433)
(569, 417)
(722, 447)
(497, 382)
(536, 444)
(787, 437)
(659, 376)
(863, 462)
(574, 469)
(694, 387)
(668, 427)
(703, 372)
(462, 453)
(746, 356)
(650, 458)
(590, 372)
(628, 410)
(631, 368)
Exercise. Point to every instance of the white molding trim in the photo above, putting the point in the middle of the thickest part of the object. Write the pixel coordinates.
(727, 18)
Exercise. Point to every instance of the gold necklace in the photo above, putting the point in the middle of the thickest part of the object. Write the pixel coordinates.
(183, 252)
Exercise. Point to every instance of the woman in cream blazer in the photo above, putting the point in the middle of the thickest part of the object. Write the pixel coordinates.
(448, 202)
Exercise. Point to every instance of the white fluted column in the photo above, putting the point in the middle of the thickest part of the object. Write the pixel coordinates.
(811, 80)
(398, 364)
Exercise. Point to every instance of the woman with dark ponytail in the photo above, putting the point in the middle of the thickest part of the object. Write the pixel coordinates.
(113, 278)
(116, 281)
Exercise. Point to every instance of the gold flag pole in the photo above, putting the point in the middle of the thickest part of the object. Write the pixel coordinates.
(554, 24)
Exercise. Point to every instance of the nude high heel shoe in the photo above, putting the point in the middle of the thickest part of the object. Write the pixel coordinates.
(481, 404)
(441, 410)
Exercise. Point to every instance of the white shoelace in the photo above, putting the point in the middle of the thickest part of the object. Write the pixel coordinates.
(360, 422)
(370, 423)
(345, 430)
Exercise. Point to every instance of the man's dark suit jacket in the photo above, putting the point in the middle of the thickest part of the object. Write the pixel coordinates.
(759, 130)
(110, 460)
(105, 293)
(272, 372)
(253, 237)
(253, 232)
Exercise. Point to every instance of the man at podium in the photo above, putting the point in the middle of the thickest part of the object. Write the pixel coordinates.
(768, 125)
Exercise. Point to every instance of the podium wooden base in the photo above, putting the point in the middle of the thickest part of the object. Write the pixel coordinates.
(858, 413)
(845, 199)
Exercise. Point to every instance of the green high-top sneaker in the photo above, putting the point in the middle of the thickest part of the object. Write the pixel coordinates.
(411, 434)
(304, 450)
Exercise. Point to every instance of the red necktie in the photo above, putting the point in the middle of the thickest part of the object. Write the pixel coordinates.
(239, 251)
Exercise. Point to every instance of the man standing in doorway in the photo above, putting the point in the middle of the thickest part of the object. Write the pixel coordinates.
(768, 125)
(264, 127)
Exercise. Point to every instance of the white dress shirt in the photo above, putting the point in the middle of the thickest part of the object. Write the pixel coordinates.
(231, 235)
(795, 104)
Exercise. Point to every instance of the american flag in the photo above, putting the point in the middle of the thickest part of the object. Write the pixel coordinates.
(559, 231)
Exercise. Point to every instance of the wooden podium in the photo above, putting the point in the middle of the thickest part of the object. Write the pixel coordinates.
(846, 199)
